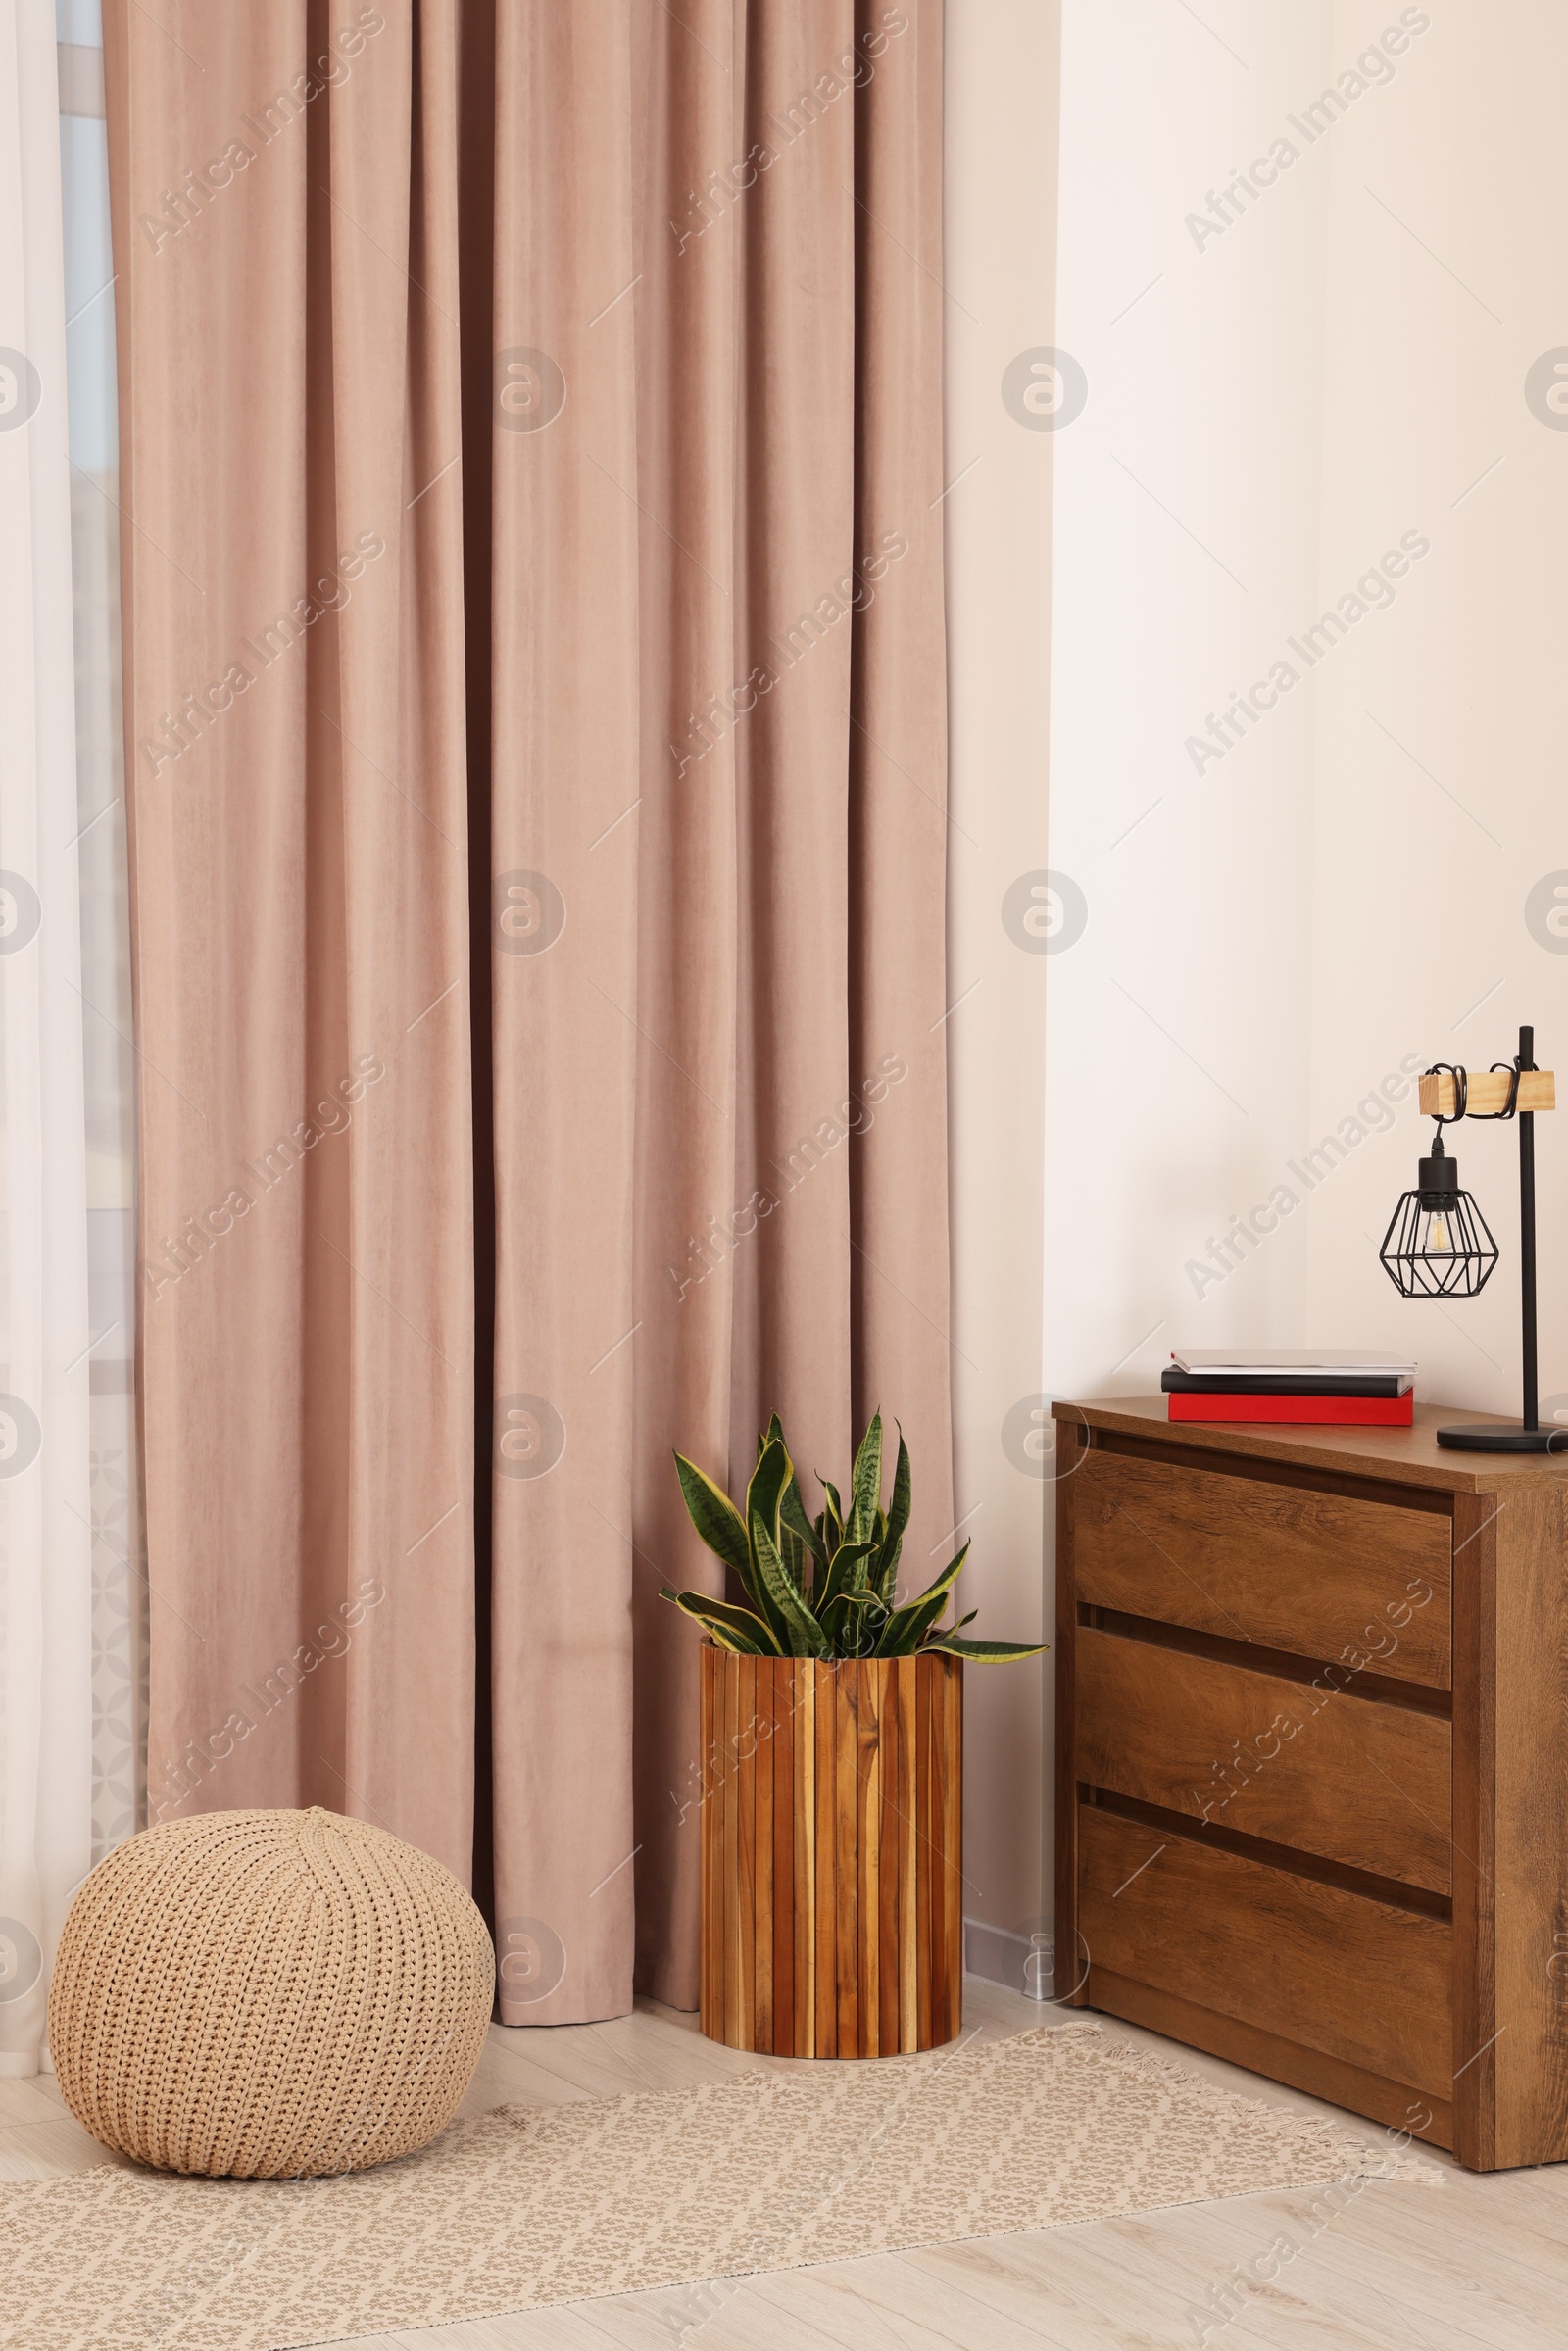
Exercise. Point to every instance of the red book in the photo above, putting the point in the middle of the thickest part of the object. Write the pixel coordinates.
(1339, 1411)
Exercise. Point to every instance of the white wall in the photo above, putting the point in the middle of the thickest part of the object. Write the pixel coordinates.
(1267, 937)
(1440, 795)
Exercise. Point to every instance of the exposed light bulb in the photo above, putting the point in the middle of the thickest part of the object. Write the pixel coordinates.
(1437, 1238)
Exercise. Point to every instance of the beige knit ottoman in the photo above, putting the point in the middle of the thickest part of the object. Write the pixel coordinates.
(268, 1995)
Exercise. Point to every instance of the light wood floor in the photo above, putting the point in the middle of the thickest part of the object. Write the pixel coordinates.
(1482, 2261)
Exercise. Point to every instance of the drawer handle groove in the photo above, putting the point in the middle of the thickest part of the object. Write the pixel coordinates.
(1392, 1892)
(1416, 1698)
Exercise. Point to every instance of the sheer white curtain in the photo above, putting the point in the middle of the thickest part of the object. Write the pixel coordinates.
(45, 1338)
(118, 1574)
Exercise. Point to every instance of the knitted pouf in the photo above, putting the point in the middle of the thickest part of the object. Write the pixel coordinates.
(268, 1995)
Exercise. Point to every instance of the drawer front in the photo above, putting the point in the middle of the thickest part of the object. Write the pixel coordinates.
(1329, 1773)
(1335, 1971)
(1316, 1574)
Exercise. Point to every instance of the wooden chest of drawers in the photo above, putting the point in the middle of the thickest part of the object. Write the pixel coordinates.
(1312, 1761)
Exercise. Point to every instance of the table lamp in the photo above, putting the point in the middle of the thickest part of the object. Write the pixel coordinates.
(1438, 1246)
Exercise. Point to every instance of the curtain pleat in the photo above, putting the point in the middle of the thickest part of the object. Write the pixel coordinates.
(650, 681)
(565, 698)
(676, 874)
(898, 782)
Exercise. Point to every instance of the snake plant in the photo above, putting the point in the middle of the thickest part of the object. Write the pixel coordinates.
(825, 1586)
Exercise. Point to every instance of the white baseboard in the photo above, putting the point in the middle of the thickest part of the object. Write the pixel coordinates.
(1025, 1963)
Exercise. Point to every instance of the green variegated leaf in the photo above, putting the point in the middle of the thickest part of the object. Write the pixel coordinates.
(772, 1474)
(865, 1485)
(835, 1628)
(846, 1572)
(859, 1557)
(805, 1633)
(984, 1652)
(884, 1574)
(792, 1513)
(854, 1622)
(715, 1518)
(946, 1581)
(907, 1629)
(773, 1471)
(907, 1626)
(733, 1627)
(797, 1559)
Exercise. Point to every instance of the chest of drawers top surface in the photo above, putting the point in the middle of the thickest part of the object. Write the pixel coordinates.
(1397, 1456)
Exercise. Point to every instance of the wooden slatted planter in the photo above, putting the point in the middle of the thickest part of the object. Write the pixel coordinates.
(832, 1837)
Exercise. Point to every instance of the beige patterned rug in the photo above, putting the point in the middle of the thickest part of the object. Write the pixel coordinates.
(530, 2205)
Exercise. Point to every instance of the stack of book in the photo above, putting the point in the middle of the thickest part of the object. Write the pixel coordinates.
(1346, 1388)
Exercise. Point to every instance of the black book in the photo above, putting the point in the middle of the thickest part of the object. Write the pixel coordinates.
(1174, 1382)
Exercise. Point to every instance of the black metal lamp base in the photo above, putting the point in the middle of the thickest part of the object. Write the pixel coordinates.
(1503, 1437)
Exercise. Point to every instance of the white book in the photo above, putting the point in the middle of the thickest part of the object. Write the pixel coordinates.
(1288, 1363)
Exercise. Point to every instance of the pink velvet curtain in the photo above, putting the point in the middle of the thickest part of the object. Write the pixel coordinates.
(536, 761)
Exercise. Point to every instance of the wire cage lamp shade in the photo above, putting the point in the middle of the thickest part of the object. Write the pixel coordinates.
(1437, 1244)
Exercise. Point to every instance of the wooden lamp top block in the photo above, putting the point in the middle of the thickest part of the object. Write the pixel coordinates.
(1486, 1093)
